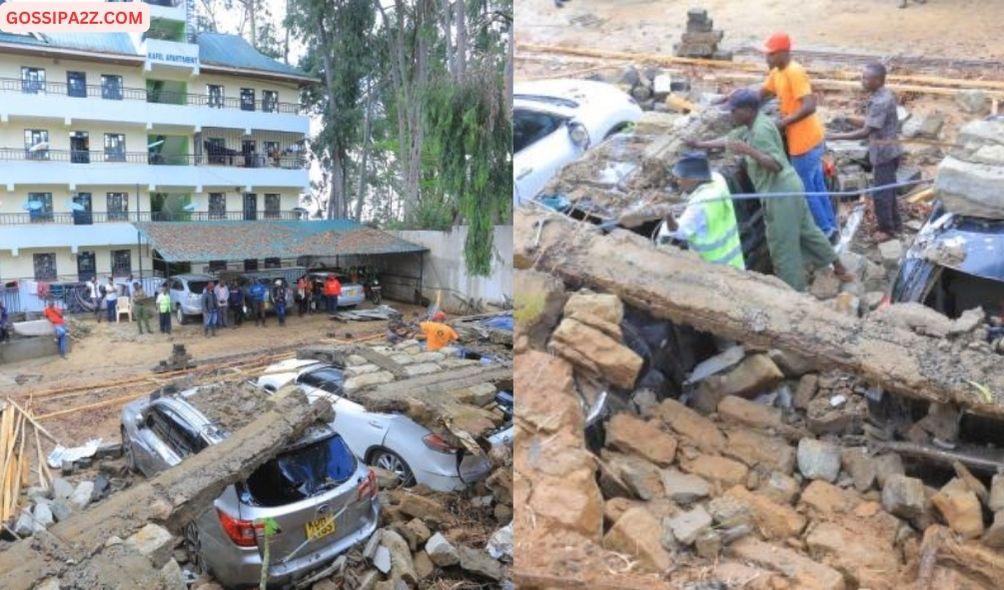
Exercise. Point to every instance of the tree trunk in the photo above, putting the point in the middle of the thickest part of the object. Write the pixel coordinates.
(759, 310)
(461, 49)
(448, 37)
(367, 132)
(509, 60)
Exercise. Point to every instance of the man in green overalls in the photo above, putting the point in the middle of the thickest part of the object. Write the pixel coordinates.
(708, 224)
(793, 238)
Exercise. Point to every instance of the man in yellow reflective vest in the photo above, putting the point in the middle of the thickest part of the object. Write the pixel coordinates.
(708, 224)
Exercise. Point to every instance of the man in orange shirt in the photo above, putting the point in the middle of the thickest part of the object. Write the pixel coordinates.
(332, 289)
(788, 81)
(55, 317)
(437, 333)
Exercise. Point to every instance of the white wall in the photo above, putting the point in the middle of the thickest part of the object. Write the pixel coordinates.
(444, 269)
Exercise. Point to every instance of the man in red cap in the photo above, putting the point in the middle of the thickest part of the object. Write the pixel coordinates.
(789, 82)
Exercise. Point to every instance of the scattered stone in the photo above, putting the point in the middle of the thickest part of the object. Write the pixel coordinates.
(860, 466)
(720, 471)
(806, 390)
(708, 544)
(423, 565)
(759, 450)
(101, 486)
(684, 488)
(596, 352)
(382, 560)
(479, 562)
(891, 252)
(641, 478)
(441, 552)
(864, 559)
(803, 571)
(904, 496)
(886, 466)
(973, 101)
(994, 536)
(825, 286)
(774, 520)
(743, 411)
(155, 542)
(972, 482)
(638, 533)
(818, 459)
(402, 566)
(629, 434)
(61, 488)
(689, 424)
(689, 525)
(60, 509)
(779, 487)
(923, 126)
(756, 374)
(81, 496)
(418, 506)
(793, 365)
(960, 507)
(42, 514)
(26, 525)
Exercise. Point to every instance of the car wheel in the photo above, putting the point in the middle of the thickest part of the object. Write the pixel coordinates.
(180, 315)
(127, 452)
(193, 545)
(391, 461)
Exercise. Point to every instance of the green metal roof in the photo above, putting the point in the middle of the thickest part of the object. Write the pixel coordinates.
(202, 241)
(234, 52)
(215, 49)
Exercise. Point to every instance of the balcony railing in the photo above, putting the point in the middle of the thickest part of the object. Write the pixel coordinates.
(230, 158)
(89, 218)
(19, 86)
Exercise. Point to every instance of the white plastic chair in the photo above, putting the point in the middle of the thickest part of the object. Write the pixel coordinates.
(123, 306)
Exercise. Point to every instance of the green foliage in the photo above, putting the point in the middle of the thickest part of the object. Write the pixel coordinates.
(470, 138)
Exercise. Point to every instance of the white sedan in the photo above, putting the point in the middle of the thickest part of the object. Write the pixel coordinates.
(555, 121)
(390, 441)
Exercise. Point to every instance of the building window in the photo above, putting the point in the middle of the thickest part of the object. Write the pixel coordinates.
(118, 206)
(272, 206)
(115, 148)
(217, 206)
(217, 265)
(216, 148)
(32, 80)
(40, 206)
(111, 87)
(250, 206)
(80, 147)
(121, 263)
(270, 101)
(247, 99)
(215, 92)
(82, 209)
(86, 266)
(250, 264)
(76, 84)
(36, 144)
(273, 263)
(273, 153)
(45, 266)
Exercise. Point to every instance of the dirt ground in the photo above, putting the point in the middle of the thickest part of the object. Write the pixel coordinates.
(111, 354)
(959, 29)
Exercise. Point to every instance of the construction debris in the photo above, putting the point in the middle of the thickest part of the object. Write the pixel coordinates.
(969, 178)
(88, 546)
(20, 446)
(381, 312)
(700, 39)
(179, 360)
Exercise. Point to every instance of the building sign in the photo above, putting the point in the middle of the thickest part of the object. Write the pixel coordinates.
(174, 59)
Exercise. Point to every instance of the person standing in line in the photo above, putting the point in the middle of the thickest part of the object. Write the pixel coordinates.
(236, 304)
(141, 307)
(256, 296)
(303, 295)
(801, 126)
(223, 300)
(97, 297)
(880, 127)
(279, 301)
(210, 310)
(55, 317)
(164, 309)
(4, 318)
(332, 289)
(111, 299)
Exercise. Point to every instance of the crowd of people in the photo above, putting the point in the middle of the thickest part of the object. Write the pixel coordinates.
(783, 160)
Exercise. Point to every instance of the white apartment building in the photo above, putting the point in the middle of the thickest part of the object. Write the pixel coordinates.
(101, 134)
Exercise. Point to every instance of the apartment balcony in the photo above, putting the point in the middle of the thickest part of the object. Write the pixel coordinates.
(77, 218)
(227, 168)
(94, 102)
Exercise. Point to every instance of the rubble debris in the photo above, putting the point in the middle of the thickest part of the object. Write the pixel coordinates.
(75, 548)
(179, 360)
(756, 309)
(700, 39)
(818, 459)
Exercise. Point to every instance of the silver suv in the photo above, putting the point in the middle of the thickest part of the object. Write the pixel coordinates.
(322, 499)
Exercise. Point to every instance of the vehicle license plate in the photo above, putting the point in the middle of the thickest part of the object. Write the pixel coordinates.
(321, 527)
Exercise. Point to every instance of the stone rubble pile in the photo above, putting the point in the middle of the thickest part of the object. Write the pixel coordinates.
(765, 467)
(700, 39)
(969, 179)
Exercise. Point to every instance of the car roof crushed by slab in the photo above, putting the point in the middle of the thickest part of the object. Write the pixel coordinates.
(230, 406)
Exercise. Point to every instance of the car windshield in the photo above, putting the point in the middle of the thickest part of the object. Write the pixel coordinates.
(528, 127)
(197, 286)
(553, 100)
(300, 473)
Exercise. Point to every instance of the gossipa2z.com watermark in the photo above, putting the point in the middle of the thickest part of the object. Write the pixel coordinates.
(38, 16)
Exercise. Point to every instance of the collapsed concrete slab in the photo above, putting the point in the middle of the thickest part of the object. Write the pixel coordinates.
(758, 310)
(172, 499)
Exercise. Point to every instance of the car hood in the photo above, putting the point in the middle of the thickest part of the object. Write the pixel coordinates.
(585, 94)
